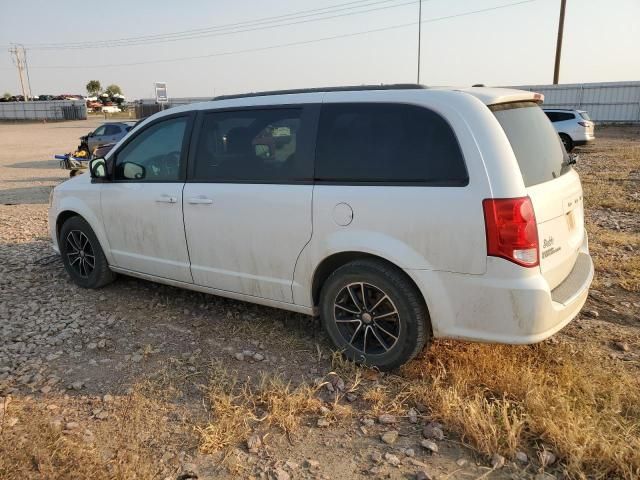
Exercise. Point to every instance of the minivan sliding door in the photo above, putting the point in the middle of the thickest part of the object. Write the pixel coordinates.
(247, 201)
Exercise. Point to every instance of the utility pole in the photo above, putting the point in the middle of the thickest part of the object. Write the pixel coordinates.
(19, 57)
(556, 70)
(419, 35)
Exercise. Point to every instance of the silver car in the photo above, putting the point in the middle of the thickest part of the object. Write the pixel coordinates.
(574, 126)
(106, 133)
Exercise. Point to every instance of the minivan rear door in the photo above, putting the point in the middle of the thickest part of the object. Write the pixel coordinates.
(551, 183)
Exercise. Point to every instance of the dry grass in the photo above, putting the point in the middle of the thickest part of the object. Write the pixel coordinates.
(505, 398)
(239, 408)
(612, 262)
(612, 182)
(128, 444)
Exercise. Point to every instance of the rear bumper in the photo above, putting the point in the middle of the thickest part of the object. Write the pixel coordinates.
(582, 137)
(505, 305)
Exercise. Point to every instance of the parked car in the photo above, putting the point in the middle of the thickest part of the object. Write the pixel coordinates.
(106, 133)
(574, 126)
(397, 214)
(102, 150)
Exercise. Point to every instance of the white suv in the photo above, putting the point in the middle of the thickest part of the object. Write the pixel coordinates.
(396, 213)
(574, 126)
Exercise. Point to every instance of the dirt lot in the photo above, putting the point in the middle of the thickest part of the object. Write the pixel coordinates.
(139, 380)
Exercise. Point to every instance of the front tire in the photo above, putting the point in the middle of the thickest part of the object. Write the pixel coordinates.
(82, 255)
(374, 314)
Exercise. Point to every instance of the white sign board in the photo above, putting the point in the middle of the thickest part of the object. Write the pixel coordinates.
(161, 92)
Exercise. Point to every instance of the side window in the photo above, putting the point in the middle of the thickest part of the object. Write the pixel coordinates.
(392, 143)
(112, 130)
(562, 116)
(250, 146)
(155, 154)
(553, 116)
(99, 131)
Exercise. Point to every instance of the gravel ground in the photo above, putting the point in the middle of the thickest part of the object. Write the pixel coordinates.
(55, 337)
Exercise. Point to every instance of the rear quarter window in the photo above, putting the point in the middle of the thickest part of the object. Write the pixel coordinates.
(535, 143)
(385, 143)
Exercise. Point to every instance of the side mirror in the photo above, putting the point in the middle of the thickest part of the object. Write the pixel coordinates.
(133, 171)
(98, 168)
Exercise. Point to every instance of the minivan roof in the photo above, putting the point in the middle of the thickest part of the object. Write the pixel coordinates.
(487, 95)
(394, 93)
(346, 88)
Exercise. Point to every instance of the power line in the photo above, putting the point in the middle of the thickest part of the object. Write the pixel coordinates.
(232, 28)
(290, 44)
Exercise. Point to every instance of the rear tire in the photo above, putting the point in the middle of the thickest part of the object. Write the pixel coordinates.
(374, 314)
(82, 255)
(566, 140)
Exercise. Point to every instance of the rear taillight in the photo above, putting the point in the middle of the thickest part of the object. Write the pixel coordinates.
(512, 232)
(583, 124)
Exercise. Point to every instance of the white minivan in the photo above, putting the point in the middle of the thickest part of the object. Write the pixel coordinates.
(396, 213)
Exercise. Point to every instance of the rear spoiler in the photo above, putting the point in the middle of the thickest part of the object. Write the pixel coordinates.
(534, 97)
(493, 96)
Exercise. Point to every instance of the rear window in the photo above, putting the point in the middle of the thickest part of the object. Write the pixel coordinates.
(585, 115)
(535, 142)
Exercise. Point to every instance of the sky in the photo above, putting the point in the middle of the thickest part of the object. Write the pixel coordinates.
(514, 45)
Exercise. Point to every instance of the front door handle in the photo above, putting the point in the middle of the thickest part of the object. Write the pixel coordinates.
(200, 200)
(166, 199)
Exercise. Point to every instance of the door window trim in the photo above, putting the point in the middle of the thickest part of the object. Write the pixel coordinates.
(184, 153)
(309, 118)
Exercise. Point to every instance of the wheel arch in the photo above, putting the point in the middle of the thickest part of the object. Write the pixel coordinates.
(95, 224)
(336, 260)
(62, 218)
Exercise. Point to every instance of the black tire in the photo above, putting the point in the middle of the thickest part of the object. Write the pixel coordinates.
(373, 279)
(566, 140)
(78, 244)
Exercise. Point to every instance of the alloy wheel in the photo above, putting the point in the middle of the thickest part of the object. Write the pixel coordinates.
(367, 318)
(80, 253)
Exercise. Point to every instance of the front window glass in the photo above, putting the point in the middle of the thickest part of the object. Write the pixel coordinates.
(154, 154)
(100, 130)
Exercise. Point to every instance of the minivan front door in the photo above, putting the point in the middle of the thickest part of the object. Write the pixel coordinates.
(247, 204)
(142, 205)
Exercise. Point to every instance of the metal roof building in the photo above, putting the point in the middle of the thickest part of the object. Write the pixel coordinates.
(606, 102)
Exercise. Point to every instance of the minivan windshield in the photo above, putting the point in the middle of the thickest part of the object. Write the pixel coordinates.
(535, 142)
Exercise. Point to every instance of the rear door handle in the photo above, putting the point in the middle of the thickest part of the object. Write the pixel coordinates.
(166, 199)
(200, 200)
